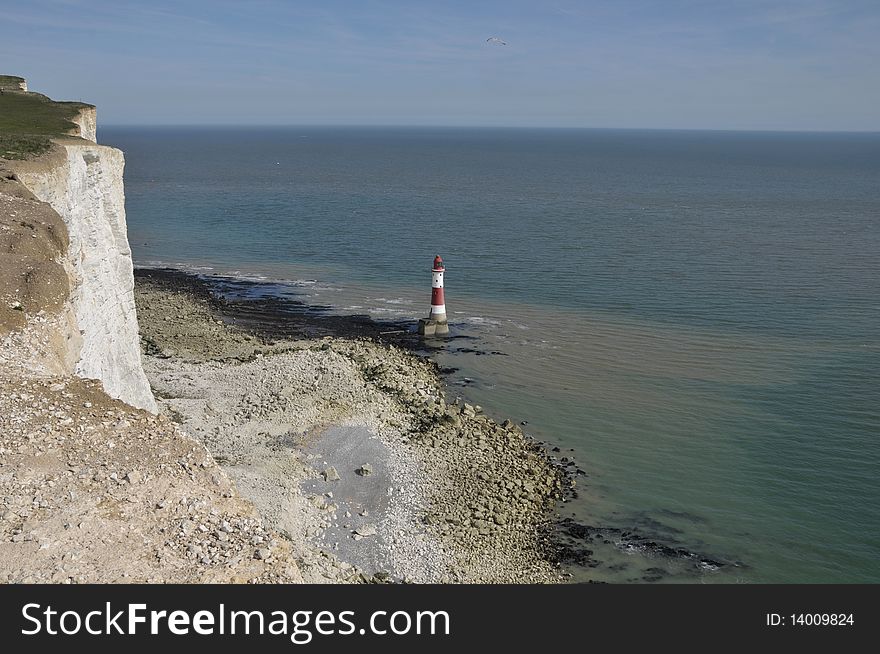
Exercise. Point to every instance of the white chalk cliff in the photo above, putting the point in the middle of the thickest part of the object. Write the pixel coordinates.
(87, 124)
(83, 184)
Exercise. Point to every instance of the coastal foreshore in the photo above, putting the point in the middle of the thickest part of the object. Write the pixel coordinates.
(346, 443)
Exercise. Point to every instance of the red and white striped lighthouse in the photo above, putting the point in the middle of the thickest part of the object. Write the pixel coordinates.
(438, 303)
(435, 323)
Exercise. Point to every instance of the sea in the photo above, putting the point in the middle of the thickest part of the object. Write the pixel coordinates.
(692, 316)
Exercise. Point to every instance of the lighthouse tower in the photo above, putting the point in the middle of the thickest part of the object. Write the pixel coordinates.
(435, 324)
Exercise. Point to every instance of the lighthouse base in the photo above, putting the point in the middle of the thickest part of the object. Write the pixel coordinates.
(428, 327)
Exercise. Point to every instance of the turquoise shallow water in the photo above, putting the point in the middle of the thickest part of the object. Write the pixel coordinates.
(694, 313)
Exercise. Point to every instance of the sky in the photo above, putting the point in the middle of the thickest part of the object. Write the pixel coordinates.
(671, 64)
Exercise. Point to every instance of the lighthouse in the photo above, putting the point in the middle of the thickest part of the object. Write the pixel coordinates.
(435, 324)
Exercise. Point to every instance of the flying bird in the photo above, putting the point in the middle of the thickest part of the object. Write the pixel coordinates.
(496, 40)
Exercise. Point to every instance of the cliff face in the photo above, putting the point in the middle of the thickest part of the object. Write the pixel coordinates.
(87, 122)
(83, 184)
(95, 332)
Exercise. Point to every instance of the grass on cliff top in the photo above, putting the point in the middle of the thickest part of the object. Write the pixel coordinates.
(29, 120)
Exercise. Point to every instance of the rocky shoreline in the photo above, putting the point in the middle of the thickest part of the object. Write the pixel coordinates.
(345, 441)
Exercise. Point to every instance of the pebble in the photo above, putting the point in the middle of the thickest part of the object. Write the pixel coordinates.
(366, 530)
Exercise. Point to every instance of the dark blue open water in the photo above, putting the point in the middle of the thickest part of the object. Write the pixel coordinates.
(696, 314)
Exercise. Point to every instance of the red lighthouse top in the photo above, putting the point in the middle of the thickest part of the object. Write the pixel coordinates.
(438, 264)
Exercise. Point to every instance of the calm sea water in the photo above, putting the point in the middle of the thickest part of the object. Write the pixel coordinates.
(695, 314)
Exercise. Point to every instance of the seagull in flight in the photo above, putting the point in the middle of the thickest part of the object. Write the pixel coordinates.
(496, 40)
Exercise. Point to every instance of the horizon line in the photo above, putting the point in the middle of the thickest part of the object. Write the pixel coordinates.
(499, 127)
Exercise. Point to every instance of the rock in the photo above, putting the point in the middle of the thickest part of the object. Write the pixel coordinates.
(330, 474)
(133, 477)
(365, 530)
(262, 554)
(365, 470)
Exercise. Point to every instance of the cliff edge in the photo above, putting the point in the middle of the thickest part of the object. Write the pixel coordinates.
(51, 156)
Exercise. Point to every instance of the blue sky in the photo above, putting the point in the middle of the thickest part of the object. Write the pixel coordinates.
(763, 64)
